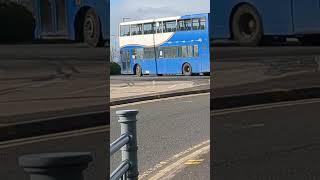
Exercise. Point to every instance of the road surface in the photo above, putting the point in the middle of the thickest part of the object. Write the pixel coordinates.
(39, 78)
(166, 128)
(276, 141)
(94, 140)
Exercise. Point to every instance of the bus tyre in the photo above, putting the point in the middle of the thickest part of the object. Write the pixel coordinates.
(138, 70)
(91, 29)
(186, 69)
(246, 26)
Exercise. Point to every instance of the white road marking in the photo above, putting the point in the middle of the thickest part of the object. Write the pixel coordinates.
(157, 100)
(37, 139)
(253, 126)
(264, 106)
(87, 89)
(178, 160)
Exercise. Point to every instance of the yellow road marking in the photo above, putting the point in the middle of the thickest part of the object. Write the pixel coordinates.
(168, 170)
(194, 161)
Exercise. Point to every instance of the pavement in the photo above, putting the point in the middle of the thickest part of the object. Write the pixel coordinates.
(126, 88)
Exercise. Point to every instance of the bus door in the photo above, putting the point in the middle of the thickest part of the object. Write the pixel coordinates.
(125, 61)
(306, 16)
(51, 17)
(161, 61)
(204, 54)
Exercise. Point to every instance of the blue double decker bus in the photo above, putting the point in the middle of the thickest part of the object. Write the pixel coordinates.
(250, 22)
(80, 20)
(171, 45)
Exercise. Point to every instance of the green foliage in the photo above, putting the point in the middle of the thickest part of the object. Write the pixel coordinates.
(16, 22)
(115, 68)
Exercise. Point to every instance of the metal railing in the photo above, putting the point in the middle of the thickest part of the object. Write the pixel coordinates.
(127, 143)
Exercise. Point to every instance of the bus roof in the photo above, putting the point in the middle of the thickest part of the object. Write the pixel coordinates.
(158, 19)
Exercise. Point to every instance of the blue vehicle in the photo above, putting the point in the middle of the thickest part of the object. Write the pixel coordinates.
(250, 22)
(79, 20)
(172, 45)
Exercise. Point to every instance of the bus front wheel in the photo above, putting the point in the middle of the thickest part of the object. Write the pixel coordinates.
(246, 26)
(187, 69)
(138, 71)
(91, 29)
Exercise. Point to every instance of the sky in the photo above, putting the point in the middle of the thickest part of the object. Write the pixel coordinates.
(146, 9)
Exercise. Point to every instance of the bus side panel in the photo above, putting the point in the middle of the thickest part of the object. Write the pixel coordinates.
(174, 66)
(276, 16)
(72, 10)
(306, 16)
(103, 11)
(147, 65)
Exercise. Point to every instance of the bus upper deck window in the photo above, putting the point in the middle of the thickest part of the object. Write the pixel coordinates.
(136, 29)
(202, 23)
(184, 25)
(181, 26)
(149, 28)
(125, 30)
(188, 24)
(196, 24)
(169, 26)
(159, 27)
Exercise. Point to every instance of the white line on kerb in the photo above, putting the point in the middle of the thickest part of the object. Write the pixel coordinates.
(177, 160)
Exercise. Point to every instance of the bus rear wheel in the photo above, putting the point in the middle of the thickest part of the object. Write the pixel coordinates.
(246, 26)
(138, 71)
(91, 29)
(187, 69)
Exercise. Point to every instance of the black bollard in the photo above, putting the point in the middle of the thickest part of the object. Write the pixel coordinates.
(56, 166)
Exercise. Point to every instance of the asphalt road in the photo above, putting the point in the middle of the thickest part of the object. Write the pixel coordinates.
(41, 78)
(247, 70)
(93, 140)
(235, 52)
(166, 128)
(273, 142)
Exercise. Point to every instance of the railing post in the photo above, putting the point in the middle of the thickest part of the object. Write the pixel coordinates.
(56, 166)
(127, 120)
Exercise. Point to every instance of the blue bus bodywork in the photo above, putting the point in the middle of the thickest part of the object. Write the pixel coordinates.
(279, 18)
(65, 18)
(197, 39)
